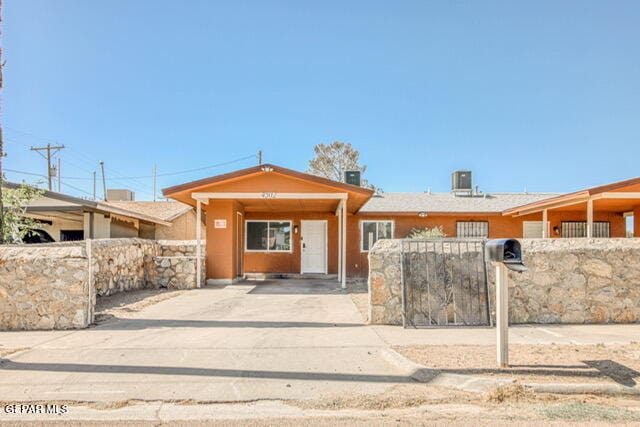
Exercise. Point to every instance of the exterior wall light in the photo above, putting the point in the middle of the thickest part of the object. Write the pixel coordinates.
(267, 169)
(422, 214)
(295, 229)
(556, 230)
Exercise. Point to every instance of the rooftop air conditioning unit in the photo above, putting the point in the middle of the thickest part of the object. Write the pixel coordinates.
(352, 177)
(461, 182)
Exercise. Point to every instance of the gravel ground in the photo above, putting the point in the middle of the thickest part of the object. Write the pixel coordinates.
(537, 363)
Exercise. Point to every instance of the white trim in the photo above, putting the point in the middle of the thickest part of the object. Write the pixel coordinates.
(198, 243)
(246, 236)
(240, 243)
(545, 220)
(339, 215)
(343, 265)
(271, 195)
(620, 195)
(362, 221)
(326, 245)
(589, 218)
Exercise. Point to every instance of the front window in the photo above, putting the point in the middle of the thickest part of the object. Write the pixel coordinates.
(268, 236)
(372, 231)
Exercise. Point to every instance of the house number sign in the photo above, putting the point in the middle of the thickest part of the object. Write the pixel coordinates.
(269, 195)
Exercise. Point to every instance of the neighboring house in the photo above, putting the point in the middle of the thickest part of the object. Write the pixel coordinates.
(182, 219)
(268, 219)
(66, 218)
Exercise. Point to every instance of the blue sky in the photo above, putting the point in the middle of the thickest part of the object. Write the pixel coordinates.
(541, 94)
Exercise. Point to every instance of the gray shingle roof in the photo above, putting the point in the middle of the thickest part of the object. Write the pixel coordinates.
(447, 202)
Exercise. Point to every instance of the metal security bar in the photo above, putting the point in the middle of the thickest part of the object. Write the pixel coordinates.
(570, 229)
(470, 229)
(444, 282)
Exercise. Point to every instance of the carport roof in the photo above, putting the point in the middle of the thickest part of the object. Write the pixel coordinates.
(619, 196)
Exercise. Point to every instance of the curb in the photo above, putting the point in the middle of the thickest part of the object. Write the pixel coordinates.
(423, 374)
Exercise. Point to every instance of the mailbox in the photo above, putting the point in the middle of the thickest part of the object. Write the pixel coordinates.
(506, 251)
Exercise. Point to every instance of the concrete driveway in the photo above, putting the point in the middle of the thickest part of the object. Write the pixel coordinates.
(258, 340)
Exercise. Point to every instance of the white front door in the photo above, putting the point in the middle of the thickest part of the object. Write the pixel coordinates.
(313, 244)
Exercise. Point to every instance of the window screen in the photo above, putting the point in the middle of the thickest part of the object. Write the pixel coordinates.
(472, 229)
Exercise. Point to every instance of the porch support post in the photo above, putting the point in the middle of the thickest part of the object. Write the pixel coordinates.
(589, 218)
(199, 243)
(340, 219)
(545, 228)
(343, 244)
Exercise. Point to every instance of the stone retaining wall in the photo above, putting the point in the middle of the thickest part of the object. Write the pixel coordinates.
(54, 286)
(45, 288)
(576, 281)
(569, 281)
(121, 264)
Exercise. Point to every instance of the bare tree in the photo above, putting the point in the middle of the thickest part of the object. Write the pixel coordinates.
(332, 160)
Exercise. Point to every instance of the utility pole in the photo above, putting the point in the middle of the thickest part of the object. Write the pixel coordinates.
(59, 177)
(51, 151)
(259, 157)
(1, 147)
(155, 170)
(94, 185)
(104, 182)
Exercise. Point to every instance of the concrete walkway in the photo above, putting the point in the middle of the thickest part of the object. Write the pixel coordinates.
(269, 340)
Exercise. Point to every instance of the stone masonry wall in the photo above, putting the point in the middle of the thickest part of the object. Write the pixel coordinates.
(54, 286)
(121, 264)
(569, 281)
(576, 281)
(45, 287)
(385, 286)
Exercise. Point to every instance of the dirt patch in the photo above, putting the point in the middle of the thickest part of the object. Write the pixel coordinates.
(361, 301)
(401, 396)
(617, 364)
(126, 304)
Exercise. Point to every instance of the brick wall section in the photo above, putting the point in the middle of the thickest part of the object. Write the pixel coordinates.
(569, 281)
(45, 288)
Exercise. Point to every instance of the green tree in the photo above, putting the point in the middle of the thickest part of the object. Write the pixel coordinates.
(15, 224)
(427, 233)
(332, 160)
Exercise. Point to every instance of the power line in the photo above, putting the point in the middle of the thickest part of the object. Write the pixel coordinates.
(45, 176)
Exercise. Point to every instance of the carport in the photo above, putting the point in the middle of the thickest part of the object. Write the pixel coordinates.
(594, 212)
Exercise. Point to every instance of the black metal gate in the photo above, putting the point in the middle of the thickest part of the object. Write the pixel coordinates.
(444, 282)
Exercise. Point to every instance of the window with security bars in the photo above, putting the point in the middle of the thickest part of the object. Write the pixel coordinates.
(579, 229)
(472, 229)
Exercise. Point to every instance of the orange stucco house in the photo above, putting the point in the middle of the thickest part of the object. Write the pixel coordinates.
(269, 219)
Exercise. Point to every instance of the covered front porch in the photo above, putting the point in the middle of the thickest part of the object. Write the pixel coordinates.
(270, 220)
(599, 212)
